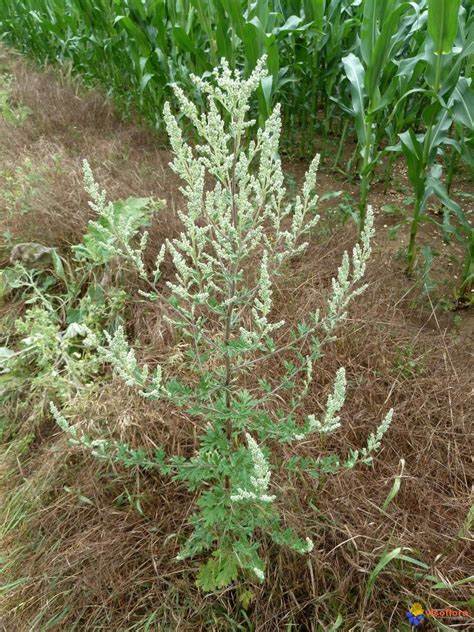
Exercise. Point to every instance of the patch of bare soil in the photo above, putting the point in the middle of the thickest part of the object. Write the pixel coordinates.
(97, 549)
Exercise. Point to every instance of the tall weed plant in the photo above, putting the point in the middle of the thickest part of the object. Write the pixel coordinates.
(240, 229)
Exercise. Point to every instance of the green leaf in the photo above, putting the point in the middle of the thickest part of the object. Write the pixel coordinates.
(337, 624)
(219, 571)
(368, 29)
(462, 103)
(450, 585)
(382, 51)
(102, 239)
(443, 24)
(139, 36)
(395, 487)
(356, 74)
(58, 265)
(413, 150)
(245, 598)
(145, 79)
(434, 186)
(439, 133)
(315, 10)
(267, 83)
(386, 558)
(293, 24)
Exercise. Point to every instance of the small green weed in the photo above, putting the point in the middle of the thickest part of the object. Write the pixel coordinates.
(14, 114)
(407, 364)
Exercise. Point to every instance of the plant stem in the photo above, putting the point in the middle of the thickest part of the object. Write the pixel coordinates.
(341, 143)
(364, 192)
(411, 252)
(425, 162)
(366, 171)
(230, 308)
(453, 160)
(467, 275)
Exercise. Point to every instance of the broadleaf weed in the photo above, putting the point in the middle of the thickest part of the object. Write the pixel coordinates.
(239, 229)
(51, 351)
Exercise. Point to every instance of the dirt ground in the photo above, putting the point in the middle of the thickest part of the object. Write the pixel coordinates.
(100, 564)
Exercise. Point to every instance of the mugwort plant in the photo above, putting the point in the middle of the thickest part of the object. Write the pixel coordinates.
(239, 231)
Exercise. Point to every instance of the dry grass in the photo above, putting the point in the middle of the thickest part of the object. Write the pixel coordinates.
(92, 547)
(42, 159)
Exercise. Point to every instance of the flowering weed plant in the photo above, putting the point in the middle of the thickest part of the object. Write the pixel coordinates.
(71, 302)
(237, 213)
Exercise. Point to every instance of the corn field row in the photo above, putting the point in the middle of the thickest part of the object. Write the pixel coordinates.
(138, 48)
(397, 75)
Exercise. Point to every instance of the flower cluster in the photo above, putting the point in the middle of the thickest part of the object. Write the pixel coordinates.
(260, 480)
(123, 359)
(344, 285)
(334, 403)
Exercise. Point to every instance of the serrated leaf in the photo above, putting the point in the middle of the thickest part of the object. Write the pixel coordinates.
(218, 572)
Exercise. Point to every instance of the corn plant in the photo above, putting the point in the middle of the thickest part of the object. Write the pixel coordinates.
(137, 48)
(448, 99)
(237, 213)
(465, 234)
(386, 63)
(371, 74)
(462, 109)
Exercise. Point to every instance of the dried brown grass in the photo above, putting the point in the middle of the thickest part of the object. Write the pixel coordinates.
(66, 126)
(96, 548)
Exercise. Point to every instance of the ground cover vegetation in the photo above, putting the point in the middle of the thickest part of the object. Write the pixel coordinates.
(180, 330)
